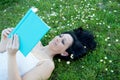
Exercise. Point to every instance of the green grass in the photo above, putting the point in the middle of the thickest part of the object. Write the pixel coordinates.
(100, 16)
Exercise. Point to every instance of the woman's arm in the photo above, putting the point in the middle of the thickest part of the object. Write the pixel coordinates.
(3, 44)
(13, 73)
(4, 39)
(40, 72)
(12, 48)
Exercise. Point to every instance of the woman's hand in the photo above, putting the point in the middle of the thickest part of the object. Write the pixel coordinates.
(5, 33)
(12, 48)
(13, 45)
(4, 39)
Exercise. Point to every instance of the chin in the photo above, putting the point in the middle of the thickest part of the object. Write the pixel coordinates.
(51, 46)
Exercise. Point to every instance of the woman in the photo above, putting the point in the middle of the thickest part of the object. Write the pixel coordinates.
(39, 65)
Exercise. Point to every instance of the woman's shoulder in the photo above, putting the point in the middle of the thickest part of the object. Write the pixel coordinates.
(46, 68)
(42, 71)
(52, 63)
(48, 62)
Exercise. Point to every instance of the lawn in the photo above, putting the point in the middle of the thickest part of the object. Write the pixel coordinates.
(102, 17)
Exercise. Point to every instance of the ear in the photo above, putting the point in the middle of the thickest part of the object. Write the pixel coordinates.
(64, 54)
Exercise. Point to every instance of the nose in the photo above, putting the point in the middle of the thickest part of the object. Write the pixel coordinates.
(58, 39)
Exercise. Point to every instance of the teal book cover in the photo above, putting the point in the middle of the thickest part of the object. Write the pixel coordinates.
(30, 30)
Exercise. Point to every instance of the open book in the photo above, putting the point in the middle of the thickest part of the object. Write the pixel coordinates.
(30, 30)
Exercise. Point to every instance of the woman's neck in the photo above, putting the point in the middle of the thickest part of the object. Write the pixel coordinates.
(49, 52)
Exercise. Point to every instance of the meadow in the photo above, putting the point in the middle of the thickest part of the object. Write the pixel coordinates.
(102, 17)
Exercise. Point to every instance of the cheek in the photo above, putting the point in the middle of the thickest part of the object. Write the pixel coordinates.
(60, 48)
(57, 48)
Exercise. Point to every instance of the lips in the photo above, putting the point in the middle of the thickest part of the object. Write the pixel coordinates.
(54, 42)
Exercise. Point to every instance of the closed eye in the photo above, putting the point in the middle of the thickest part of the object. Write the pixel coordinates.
(63, 42)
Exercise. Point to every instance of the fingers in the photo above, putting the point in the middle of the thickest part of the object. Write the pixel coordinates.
(7, 31)
(9, 44)
(13, 43)
(16, 42)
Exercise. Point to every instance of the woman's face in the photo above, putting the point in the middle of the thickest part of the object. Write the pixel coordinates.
(61, 42)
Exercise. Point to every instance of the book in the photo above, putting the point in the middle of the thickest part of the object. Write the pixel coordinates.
(30, 30)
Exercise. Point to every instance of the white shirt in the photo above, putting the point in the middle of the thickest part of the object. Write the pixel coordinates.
(25, 64)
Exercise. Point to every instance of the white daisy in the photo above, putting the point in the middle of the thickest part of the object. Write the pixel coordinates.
(71, 56)
(101, 60)
(116, 40)
(105, 57)
(110, 61)
(109, 44)
(112, 71)
(68, 62)
(106, 69)
(59, 60)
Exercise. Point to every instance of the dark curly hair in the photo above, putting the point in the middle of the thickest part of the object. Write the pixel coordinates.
(83, 42)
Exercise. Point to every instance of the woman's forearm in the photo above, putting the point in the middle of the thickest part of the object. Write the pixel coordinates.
(2, 47)
(13, 73)
(3, 44)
